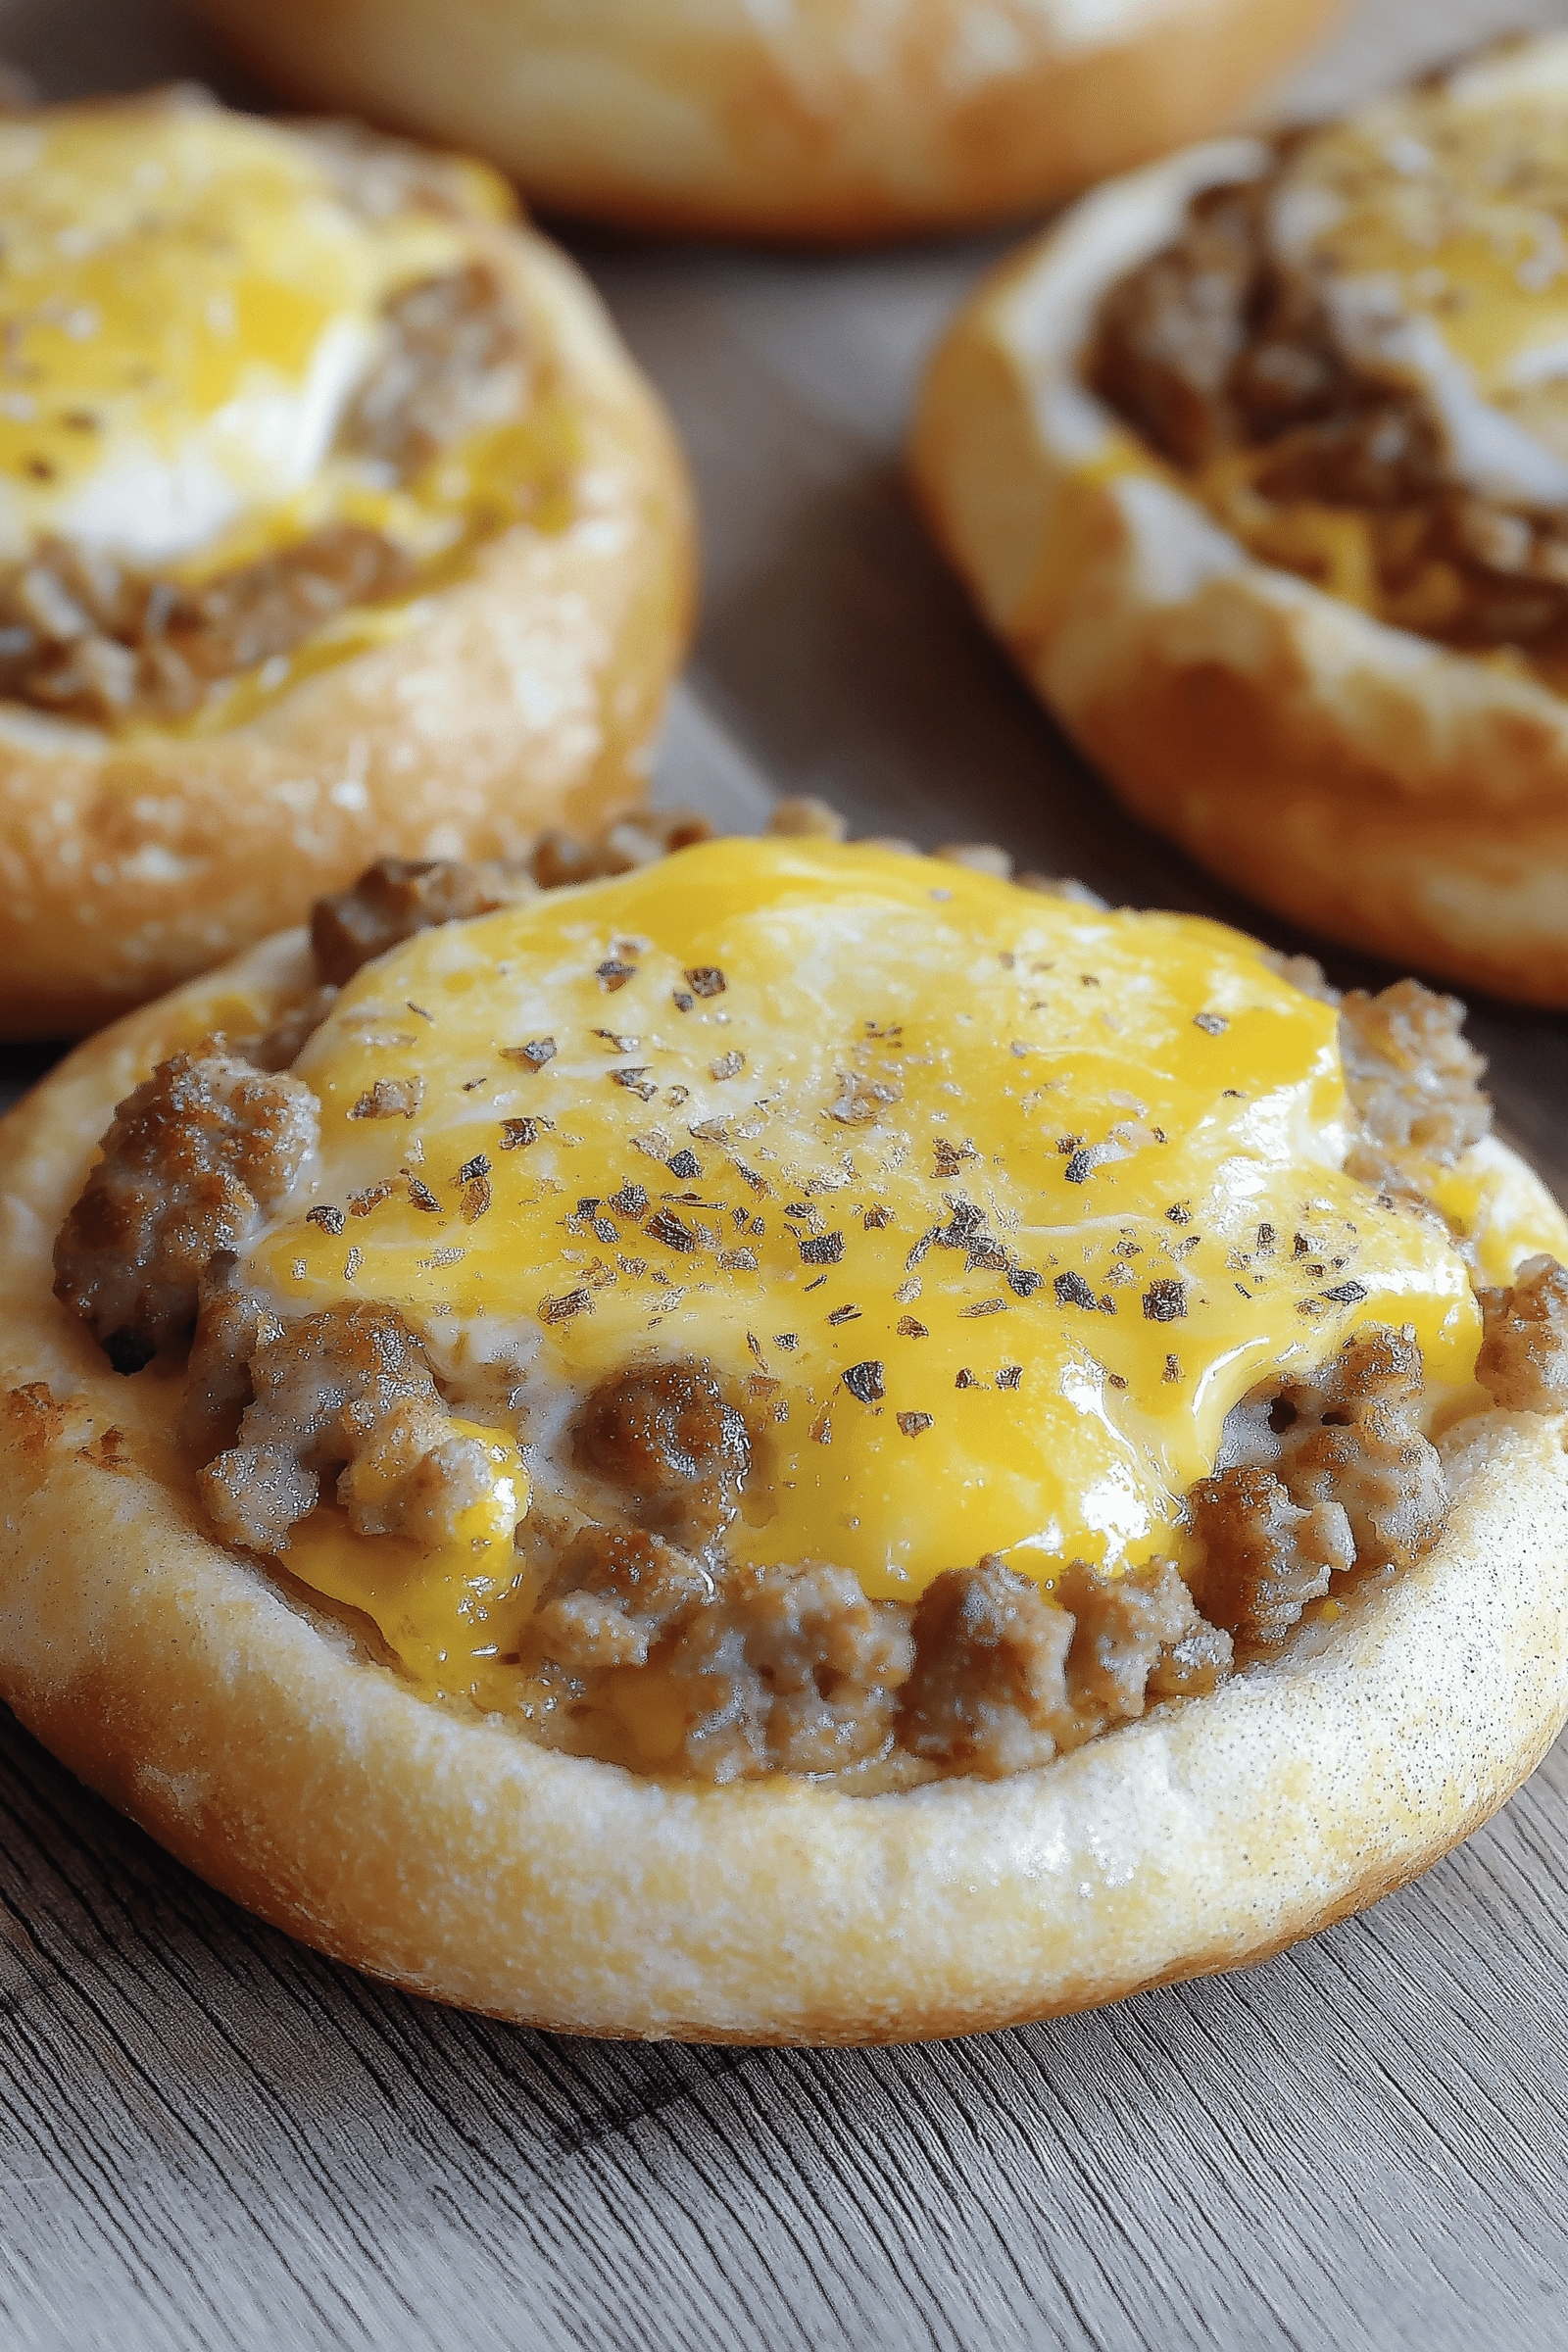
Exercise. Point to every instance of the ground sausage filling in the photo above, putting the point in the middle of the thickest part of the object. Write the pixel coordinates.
(1234, 367)
(1325, 1480)
(86, 637)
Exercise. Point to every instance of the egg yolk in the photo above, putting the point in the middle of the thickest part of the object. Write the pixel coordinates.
(983, 1207)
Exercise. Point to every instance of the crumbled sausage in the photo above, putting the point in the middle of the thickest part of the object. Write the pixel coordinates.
(80, 635)
(1127, 1627)
(613, 1594)
(395, 897)
(349, 1390)
(452, 361)
(989, 1686)
(1411, 1075)
(792, 1670)
(1264, 1556)
(1523, 1354)
(189, 1161)
(664, 1436)
(1337, 1475)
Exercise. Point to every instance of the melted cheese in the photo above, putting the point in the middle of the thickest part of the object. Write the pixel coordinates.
(1136, 1122)
(187, 302)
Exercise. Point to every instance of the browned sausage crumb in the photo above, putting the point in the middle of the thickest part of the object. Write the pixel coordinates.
(349, 1390)
(1524, 1356)
(1413, 1077)
(1337, 1475)
(791, 1670)
(664, 1436)
(395, 897)
(453, 362)
(188, 1163)
(614, 1593)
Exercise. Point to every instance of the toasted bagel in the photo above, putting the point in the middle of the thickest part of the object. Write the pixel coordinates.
(510, 682)
(269, 1739)
(831, 122)
(1401, 790)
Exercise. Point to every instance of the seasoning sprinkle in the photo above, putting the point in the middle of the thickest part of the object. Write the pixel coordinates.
(476, 1200)
(737, 1262)
(561, 1309)
(664, 1226)
(362, 1204)
(1212, 1024)
(914, 1425)
(1173, 1368)
(1072, 1291)
(390, 1098)
(683, 1000)
(985, 1307)
(636, 1082)
(352, 1264)
(1165, 1303)
(876, 1217)
(613, 974)
(330, 1220)
(1023, 1281)
(478, 1165)
(629, 1201)
(864, 1381)
(533, 1056)
(967, 1380)
(685, 1164)
(788, 1341)
(1347, 1293)
(706, 980)
(1010, 1376)
(728, 1065)
(821, 1430)
(845, 1314)
(910, 1329)
(422, 1196)
(516, 1134)
(821, 1249)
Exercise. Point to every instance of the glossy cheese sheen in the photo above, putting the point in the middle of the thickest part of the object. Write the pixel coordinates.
(986, 1208)
(188, 300)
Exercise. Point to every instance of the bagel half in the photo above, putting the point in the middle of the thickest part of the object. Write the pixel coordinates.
(265, 1742)
(1376, 785)
(517, 686)
(830, 121)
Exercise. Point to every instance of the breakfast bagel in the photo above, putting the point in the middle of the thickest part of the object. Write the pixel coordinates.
(786, 1442)
(334, 519)
(1259, 463)
(826, 119)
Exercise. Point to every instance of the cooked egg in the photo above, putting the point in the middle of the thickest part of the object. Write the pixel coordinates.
(986, 1208)
(188, 300)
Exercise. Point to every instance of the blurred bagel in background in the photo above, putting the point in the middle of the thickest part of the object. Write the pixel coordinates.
(818, 120)
(332, 514)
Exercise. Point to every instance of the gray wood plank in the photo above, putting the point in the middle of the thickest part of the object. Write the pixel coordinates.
(210, 2138)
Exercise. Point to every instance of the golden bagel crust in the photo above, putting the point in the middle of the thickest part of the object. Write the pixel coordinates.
(1360, 779)
(839, 119)
(258, 1742)
(523, 696)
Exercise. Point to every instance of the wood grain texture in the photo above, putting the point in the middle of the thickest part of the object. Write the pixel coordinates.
(211, 2138)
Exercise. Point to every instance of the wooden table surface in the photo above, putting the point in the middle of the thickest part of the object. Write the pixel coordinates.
(210, 2137)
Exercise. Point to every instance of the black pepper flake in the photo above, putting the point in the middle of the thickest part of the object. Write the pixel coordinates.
(864, 1381)
(1166, 1302)
(518, 1133)
(845, 1314)
(613, 974)
(788, 1341)
(1301, 1246)
(914, 1425)
(1067, 1145)
(1080, 1167)
(737, 1262)
(675, 1096)
(1023, 1281)
(728, 1065)
(533, 1056)
(478, 1165)
(1072, 1291)
(1346, 1294)
(684, 1001)
(1115, 1380)
(629, 1201)
(877, 1217)
(1246, 1293)
(986, 1255)
(664, 1226)
(910, 1329)
(684, 1165)
(423, 1197)
(569, 1304)
(1179, 1213)
(951, 1156)
(1212, 1024)
(1173, 1368)
(821, 1249)
(967, 1380)
(988, 1307)
(330, 1220)
(706, 980)
(1010, 1376)
(476, 1200)
(814, 1286)
(1266, 1237)
(758, 1184)
(605, 1231)
(636, 1082)
(362, 1204)
(821, 1430)
(798, 1209)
